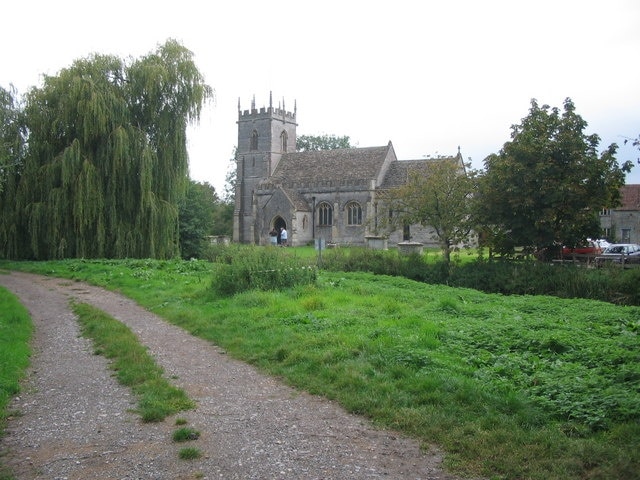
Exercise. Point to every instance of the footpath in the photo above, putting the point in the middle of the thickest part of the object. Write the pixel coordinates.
(73, 420)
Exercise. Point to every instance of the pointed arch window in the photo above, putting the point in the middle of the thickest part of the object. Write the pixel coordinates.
(354, 213)
(325, 214)
(283, 141)
(254, 140)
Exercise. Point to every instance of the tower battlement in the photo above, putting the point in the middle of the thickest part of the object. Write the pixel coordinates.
(266, 112)
(264, 136)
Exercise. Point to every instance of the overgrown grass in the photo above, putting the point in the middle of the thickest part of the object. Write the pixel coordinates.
(15, 332)
(517, 387)
(509, 277)
(260, 269)
(134, 367)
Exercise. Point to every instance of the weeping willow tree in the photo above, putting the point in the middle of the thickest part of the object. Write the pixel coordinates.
(11, 134)
(106, 161)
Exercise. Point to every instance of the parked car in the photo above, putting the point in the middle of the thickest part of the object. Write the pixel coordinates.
(588, 248)
(619, 252)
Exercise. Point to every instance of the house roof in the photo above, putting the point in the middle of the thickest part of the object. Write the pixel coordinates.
(347, 164)
(629, 197)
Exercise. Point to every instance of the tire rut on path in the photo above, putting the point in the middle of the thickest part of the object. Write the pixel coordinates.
(74, 420)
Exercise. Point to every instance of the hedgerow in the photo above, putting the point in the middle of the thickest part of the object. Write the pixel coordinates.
(508, 277)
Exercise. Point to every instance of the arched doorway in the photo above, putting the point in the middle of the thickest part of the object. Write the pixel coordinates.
(278, 223)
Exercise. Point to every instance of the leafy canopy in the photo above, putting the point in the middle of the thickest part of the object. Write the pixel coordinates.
(196, 218)
(438, 194)
(309, 143)
(106, 161)
(547, 185)
(11, 133)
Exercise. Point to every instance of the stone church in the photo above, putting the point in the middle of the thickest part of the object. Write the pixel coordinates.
(331, 195)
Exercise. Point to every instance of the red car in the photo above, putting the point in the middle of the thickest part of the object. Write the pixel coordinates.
(590, 248)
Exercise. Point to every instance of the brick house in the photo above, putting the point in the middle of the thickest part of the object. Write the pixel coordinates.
(622, 224)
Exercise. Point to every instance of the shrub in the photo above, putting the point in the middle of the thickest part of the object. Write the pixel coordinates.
(189, 453)
(623, 285)
(185, 434)
(614, 285)
(259, 268)
(379, 262)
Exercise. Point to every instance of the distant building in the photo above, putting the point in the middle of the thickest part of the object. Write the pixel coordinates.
(331, 195)
(622, 224)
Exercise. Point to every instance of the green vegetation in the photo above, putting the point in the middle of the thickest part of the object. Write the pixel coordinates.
(438, 194)
(546, 186)
(201, 213)
(11, 133)
(134, 367)
(242, 269)
(309, 143)
(106, 164)
(526, 277)
(526, 387)
(189, 453)
(185, 434)
(15, 332)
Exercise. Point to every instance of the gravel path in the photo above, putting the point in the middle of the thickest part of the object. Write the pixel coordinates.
(73, 419)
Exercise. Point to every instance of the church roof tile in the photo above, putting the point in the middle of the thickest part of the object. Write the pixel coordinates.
(349, 164)
(398, 173)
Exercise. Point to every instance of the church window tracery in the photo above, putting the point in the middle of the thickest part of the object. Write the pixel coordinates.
(254, 140)
(283, 141)
(325, 214)
(354, 213)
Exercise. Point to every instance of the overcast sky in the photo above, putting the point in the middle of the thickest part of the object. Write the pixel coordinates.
(428, 76)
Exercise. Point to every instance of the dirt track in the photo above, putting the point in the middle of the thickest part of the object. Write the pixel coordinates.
(73, 419)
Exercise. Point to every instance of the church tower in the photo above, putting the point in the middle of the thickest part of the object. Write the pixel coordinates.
(264, 135)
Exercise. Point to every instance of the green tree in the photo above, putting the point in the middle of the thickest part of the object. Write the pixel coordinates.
(223, 212)
(308, 143)
(196, 212)
(11, 134)
(546, 186)
(231, 179)
(106, 163)
(635, 142)
(439, 195)
(223, 218)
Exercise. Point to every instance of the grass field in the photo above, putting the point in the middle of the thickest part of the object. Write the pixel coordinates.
(516, 387)
(15, 333)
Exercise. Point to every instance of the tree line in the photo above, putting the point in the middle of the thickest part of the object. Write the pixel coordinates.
(94, 164)
(542, 190)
